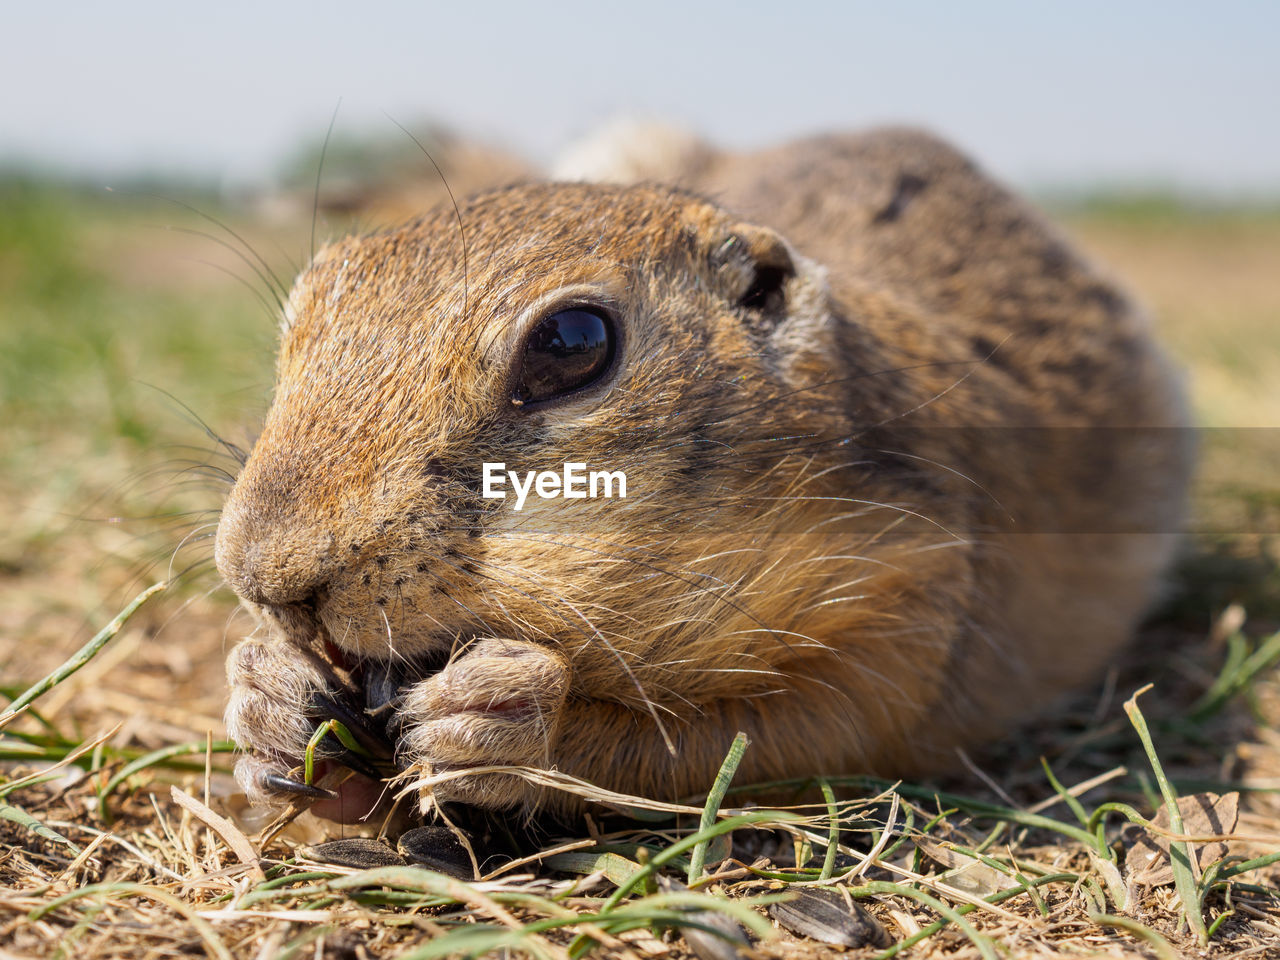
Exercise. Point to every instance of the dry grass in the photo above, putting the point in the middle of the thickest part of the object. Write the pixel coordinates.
(997, 863)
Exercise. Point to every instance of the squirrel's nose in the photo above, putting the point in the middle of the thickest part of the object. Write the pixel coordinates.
(266, 573)
(271, 561)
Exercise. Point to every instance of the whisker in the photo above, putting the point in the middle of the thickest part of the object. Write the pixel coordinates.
(315, 199)
(954, 472)
(263, 269)
(942, 393)
(184, 541)
(269, 307)
(279, 293)
(462, 234)
(238, 455)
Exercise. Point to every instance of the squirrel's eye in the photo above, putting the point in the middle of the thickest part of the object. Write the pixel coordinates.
(565, 352)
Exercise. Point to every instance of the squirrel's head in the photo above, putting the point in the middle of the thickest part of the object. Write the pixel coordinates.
(637, 330)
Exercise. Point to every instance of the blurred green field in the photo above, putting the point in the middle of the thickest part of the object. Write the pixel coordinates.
(104, 297)
(101, 316)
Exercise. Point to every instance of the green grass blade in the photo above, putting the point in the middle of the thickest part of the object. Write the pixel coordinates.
(1159, 944)
(616, 868)
(1238, 671)
(715, 797)
(1226, 683)
(1255, 864)
(689, 900)
(1072, 803)
(833, 832)
(1180, 853)
(680, 846)
(156, 757)
(83, 655)
(983, 944)
(19, 816)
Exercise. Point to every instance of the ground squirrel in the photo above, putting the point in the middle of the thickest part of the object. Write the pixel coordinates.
(901, 466)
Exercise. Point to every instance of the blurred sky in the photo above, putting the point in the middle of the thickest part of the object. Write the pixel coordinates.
(1173, 93)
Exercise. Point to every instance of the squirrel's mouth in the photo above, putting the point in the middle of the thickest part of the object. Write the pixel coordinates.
(362, 707)
(356, 720)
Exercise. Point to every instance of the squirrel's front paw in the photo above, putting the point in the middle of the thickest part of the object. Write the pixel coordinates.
(499, 703)
(269, 714)
(279, 695)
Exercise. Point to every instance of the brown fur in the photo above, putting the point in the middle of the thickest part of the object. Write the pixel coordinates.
(824, 540)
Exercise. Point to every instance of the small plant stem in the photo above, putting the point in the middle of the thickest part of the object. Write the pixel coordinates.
(344, 736)
(1226, 873)
(1181, 857)
(1072, 803)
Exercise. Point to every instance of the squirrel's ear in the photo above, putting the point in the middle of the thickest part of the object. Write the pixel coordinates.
(783, 296)
(751, 267)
